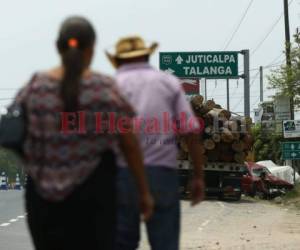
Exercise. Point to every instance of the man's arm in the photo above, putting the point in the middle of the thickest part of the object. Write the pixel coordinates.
(195, 145)
(133, 155)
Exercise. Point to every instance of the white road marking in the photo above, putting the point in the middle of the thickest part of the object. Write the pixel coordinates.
(12, 221)
(205, 223)
(221, 204)
(4, 224)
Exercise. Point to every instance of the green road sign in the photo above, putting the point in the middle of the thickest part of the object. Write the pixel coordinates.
(216, 65)
(290, 155)
(291, 150)
(291, 146)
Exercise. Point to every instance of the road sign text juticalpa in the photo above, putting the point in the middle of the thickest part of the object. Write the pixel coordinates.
(215, 65)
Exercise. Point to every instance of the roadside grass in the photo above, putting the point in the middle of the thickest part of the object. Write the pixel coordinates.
(293, 197)
(295, 193)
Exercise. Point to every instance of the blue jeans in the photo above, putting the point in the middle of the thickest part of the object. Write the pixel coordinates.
(163, 228)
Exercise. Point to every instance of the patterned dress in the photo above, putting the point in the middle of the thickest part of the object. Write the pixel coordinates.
(58, 161)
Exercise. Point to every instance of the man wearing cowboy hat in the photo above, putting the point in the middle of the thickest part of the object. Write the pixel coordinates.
(157, 97)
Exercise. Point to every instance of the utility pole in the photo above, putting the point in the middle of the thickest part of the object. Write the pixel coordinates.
(247, 82)
(288, 62)
(288, 48)
(261, 70)
(205, 93)
(228, 101)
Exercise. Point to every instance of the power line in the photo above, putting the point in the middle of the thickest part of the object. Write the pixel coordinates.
(238, 104)
(269, 32)
(239, 24)
(276, 59)
(257, 101)
(241, 99)
(254, 78)
(265, 67)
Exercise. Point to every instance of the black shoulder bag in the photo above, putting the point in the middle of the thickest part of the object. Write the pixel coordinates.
(13, 126)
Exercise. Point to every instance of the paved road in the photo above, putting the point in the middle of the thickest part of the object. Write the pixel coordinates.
(13, 231)
(211, 225)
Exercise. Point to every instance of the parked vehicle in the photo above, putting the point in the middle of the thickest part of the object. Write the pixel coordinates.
(251, 181)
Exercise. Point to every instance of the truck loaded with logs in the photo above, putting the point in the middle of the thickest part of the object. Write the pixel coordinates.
(226, 140)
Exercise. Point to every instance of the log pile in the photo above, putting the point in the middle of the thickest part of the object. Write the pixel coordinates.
(226, 137)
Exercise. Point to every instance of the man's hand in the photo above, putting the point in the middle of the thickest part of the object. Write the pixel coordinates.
(146, 206)
(198, 190)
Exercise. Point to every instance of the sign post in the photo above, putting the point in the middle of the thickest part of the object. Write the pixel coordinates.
(246, 54)
(291, 151)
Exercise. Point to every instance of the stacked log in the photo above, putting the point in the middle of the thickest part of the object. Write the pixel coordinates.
(226, 137)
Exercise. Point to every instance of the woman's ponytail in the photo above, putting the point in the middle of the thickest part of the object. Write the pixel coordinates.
(73, 69)
(76, 35)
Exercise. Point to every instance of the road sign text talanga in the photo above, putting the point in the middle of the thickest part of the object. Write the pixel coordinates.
(200, 64)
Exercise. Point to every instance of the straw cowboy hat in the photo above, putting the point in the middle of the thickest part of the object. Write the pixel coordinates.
(130, 47)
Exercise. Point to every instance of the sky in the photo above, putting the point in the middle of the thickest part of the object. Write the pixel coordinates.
(29, 30)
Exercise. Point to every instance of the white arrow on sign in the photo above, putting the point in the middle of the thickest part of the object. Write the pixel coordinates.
(292, 146)
(179, 60)
(293, 155)
(170, 71)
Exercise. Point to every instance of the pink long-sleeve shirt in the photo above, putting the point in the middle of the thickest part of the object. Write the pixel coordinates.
(158, 99)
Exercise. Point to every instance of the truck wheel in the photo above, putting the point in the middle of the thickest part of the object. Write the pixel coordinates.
(253, 190)
(238, 196)
(221, 196)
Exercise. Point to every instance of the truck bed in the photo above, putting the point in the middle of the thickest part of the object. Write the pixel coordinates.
(222, 179)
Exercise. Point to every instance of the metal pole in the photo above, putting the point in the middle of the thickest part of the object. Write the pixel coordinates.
(246, 82)
(205, 93)
(228, 101)
(287, 32)
(294, 167)
(261, 70)
(288, 49)
(288, 62)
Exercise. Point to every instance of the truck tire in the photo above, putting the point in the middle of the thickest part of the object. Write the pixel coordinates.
(221, 196)
(253, 190)
(238, 196)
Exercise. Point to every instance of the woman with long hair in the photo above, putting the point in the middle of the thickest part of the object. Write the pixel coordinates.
(68, 150)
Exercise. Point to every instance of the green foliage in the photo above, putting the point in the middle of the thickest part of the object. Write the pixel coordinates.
(11, 165)
(266, 145)
(294, 193)
(287, 79)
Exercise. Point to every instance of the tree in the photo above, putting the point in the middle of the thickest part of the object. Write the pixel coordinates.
(11, 165)
(266, 145)
(287, 79)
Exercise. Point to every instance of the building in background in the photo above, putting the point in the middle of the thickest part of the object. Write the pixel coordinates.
(271, 114)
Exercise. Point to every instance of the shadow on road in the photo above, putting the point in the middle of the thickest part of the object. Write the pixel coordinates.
(244, 200)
